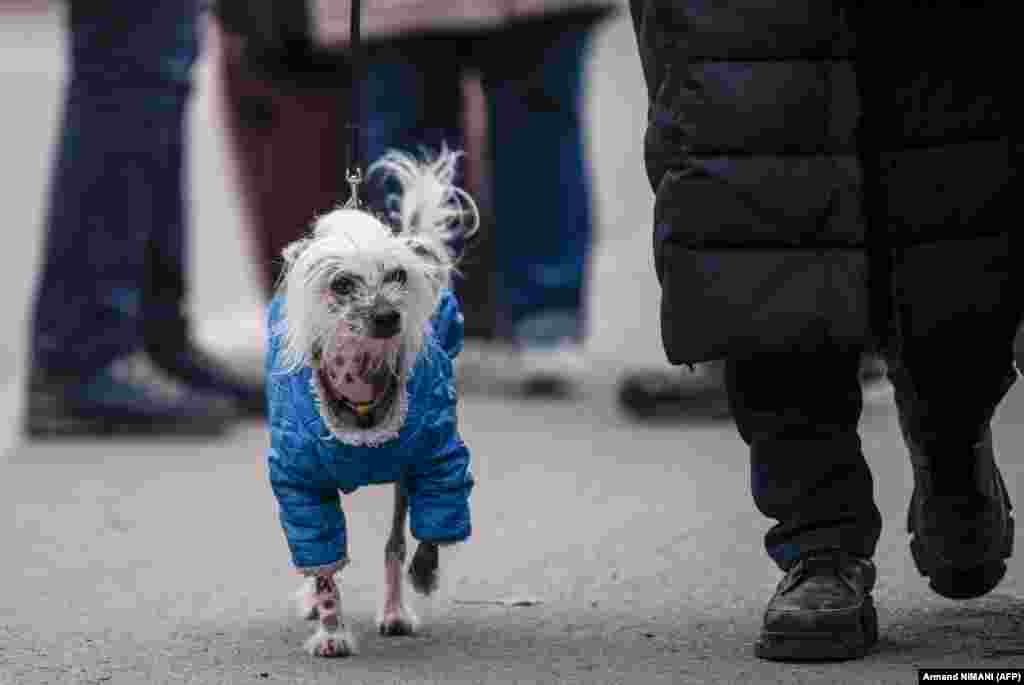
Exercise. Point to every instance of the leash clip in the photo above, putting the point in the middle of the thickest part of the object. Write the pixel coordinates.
(354, 178)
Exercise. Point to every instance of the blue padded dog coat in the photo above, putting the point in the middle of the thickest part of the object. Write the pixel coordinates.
(309, 466)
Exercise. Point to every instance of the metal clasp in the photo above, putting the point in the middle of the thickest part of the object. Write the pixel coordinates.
(354, 178)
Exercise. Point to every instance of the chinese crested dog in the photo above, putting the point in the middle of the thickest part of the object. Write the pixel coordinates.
(363, 335)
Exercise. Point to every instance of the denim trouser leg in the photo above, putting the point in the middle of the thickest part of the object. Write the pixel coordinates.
(799, 415)
(165, 286)
(541, 186)
(541, 192)
(116, 191)
(412, 100)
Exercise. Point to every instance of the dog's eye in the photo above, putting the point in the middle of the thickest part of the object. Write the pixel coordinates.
(397, 276)
(343, 286)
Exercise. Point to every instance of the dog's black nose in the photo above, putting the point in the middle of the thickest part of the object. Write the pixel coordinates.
(386, 323)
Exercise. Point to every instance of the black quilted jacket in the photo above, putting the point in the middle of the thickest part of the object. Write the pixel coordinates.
(826, 171)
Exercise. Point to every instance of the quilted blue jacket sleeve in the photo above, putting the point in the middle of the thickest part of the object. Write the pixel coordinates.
(309, 506)
(439, 485)
(438, 491)
(311, 517)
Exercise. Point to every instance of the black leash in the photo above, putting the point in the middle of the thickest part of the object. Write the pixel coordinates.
(353, 158)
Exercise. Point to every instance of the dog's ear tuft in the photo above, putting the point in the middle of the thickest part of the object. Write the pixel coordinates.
(436, 256)
(428, 203)
(424, 251)
(292, 251)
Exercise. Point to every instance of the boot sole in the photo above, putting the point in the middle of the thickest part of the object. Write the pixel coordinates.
(70, 427)
(823, 645)
(967, 582)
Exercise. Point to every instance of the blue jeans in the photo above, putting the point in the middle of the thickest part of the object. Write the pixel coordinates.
(115, 251)
(541, 187)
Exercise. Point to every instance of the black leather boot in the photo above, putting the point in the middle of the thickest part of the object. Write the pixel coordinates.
(821, 610)
(960, 522)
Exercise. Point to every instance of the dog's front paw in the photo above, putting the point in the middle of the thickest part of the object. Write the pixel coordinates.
(337, 643)
(397, 622)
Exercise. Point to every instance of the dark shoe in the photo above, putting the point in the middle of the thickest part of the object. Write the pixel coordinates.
(701, 392)
(551, 372)
(130, 397)
(188, 364)
(821, 610)
(675, 393)
(962, 528)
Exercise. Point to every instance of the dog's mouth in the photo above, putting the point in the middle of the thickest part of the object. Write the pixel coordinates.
(365, 413)
(360, 380)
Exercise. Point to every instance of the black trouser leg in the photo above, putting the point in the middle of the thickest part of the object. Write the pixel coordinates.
(799, 414)
(947, 391)
(952, 370)
(957, 310)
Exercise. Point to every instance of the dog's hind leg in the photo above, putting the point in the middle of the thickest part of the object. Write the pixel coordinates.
(396, 618)
(332, 636)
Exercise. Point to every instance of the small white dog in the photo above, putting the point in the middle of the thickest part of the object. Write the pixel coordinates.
(361, 389)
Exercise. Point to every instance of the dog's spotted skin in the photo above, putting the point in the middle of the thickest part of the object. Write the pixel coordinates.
(323, 604)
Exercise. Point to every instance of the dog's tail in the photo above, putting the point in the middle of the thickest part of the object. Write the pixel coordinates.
(428, 204)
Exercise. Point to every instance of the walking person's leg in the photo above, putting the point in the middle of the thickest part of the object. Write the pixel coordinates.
(118, 162)
(542, 201)
(949, 379)
(799, 414)
(412, 99)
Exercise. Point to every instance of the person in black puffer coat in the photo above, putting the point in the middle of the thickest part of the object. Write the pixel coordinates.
(831, 179)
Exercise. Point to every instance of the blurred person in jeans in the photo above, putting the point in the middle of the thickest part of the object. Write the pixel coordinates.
(111, 349)
(832, 178)
(533, 260)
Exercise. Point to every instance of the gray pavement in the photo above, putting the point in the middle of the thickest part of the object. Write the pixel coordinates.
(164, 563)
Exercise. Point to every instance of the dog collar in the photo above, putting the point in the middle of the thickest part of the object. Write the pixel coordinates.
(361, 408)
(364, 409)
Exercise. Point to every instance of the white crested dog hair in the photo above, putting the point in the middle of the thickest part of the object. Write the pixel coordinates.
(426, 213)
